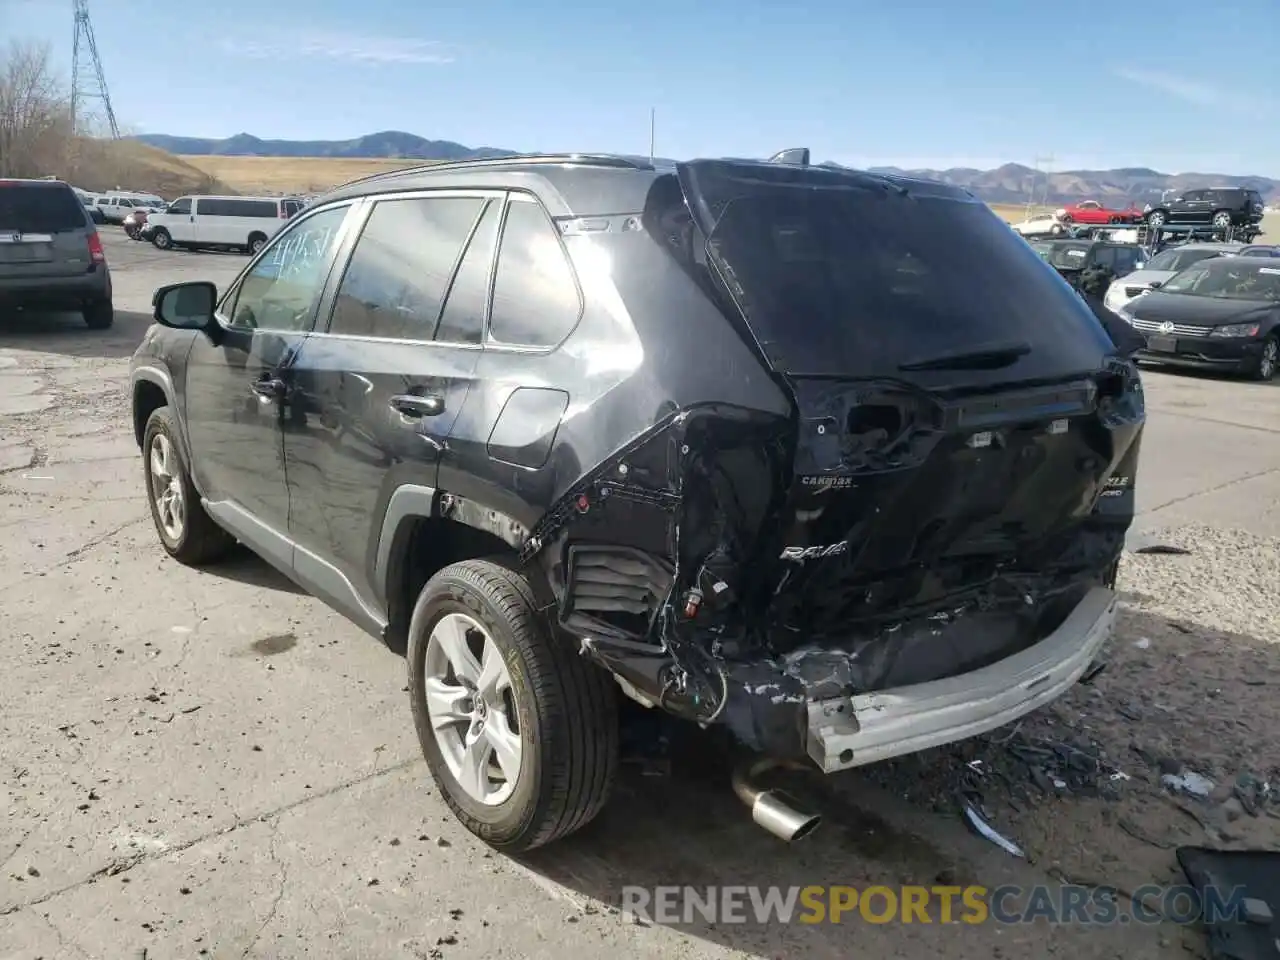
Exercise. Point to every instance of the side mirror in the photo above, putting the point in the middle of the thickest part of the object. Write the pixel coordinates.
(187, 306)
(1155, 284)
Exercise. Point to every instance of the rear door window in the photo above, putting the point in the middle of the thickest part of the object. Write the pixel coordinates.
(398, 275)
(852, 275)
(37, 208)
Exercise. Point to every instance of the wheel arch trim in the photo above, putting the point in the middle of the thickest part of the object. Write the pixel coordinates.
(411, 501)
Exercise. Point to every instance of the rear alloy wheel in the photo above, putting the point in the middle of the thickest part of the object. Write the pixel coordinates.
(1222, 219)
(161, 239)
(99, 315)
(187, 532)
(256, 243)
(1268, 360)
(520, 732)
(1156, 218)
(1067, 218)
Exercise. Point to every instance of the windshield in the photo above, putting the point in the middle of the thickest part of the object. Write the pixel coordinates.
(1233, 278)
(1175, 260)
(1071, 256)
(1043, 248)
(837, 275)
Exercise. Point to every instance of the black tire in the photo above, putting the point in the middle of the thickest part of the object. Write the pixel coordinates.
(566, 708)
(1067, 218)
(1113, 220)
(1157, 218)
(201, 540)
(1221, 219)
(98, 315)
(1268, 360)
(256, 242)
(161, 239)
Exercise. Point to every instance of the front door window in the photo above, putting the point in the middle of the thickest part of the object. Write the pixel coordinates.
(283, 289)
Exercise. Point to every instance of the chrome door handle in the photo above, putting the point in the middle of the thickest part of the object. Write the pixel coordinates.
(412, 405)
(270, 388)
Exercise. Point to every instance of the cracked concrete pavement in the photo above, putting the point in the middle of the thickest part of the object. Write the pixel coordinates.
(212, 764)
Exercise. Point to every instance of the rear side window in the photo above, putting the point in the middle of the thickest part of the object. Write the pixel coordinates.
(399, 272)
(219, 207)
(36, 208)
(535, 296)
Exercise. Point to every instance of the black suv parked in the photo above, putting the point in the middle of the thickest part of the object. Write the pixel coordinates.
(760, 439)
(1072, 257)
(1221, 208)
(51, 256)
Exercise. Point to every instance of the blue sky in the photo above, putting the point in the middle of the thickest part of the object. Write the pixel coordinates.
(907, 82)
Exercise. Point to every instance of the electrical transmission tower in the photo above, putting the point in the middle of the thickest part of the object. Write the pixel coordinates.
(88, 82)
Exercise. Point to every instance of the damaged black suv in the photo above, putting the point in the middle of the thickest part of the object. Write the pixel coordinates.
(830, 459)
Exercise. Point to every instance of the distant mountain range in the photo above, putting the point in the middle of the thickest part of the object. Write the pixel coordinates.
(389, 144)
(1011, 184)
(1015, 183)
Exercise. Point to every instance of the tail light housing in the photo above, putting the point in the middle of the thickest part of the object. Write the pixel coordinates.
(96, 253)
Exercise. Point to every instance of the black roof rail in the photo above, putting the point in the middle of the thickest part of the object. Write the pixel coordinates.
(585, 159)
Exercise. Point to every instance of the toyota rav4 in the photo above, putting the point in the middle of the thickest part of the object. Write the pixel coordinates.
(830, 459)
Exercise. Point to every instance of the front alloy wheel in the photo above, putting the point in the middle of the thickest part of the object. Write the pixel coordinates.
(166, 488)
(186, 531)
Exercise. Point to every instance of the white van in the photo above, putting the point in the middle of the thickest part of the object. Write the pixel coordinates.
(114, 207)
(244, 223)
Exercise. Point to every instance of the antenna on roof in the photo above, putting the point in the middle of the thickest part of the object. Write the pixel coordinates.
(797, 156)
(653, 116)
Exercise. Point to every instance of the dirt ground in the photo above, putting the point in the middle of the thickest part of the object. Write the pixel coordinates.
(211, 764)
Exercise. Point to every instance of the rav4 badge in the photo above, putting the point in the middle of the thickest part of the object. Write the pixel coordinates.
(815, 553)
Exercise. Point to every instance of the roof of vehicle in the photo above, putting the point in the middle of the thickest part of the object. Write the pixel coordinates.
(216, 196)
(1091, 242)
(586, 181)
(33, 182)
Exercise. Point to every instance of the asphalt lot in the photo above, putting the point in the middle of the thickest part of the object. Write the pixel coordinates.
(212, 764)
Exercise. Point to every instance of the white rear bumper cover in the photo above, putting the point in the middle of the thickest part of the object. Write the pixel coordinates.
(848, 732)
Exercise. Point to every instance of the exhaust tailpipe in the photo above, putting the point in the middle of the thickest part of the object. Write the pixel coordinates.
(772, 809)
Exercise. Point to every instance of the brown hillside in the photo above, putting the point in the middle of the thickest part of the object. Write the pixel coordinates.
(273, 175)
(125, 164)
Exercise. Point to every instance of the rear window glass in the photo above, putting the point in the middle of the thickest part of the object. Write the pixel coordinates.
(32, 208)
(1071, 256)
(852, 276)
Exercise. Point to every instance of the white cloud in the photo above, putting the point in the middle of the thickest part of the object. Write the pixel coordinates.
(352, 48)
(1180, 88)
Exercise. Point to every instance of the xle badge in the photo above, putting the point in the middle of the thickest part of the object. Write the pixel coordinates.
(815, 553)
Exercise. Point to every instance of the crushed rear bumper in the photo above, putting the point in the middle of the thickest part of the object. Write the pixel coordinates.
(851, 731)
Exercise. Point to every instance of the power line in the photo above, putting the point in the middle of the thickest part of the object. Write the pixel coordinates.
(88, 82)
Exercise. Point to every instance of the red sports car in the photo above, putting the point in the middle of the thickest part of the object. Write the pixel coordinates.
(1091, 211)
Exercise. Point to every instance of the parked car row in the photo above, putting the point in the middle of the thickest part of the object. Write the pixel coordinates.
(1219, 210)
